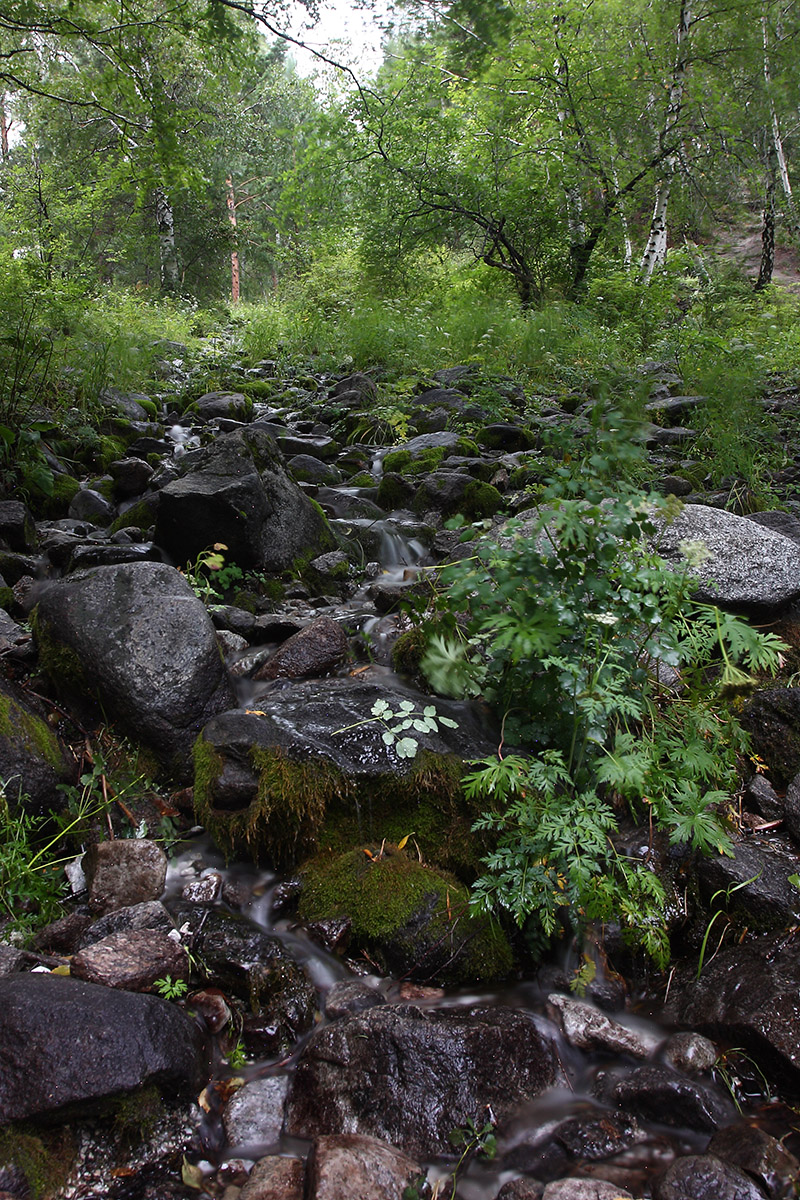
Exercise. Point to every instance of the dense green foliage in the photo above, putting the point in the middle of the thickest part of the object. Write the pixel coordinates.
(613, 684)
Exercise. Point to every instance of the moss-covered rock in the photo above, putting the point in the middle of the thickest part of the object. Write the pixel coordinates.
(410, 919)
(311, 768)
(41, 1159)
(33, 762)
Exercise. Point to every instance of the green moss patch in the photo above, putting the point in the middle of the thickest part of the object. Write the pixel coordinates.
(408, 917)
(298, 807)
(44, 1158)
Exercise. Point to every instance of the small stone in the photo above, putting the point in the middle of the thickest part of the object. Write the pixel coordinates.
(124, 872)
(275, 1179)
(348, 996)
(254, 1114)
(205, 890)
(584, 1189)
(132, 961)
(690, 1052)
(704, 1177)
(341, 1167)
(586, 1028)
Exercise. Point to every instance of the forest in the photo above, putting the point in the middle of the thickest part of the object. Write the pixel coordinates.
(399, 571)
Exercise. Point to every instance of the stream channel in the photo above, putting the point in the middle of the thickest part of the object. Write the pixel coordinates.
(528, 1144)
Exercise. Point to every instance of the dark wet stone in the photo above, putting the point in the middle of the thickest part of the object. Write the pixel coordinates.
(657, 1093)
(704, 1177)
(772, 718)
(247, 962)
(237, 492)
(149, 914)
(792, 809)
(89, 505)
(760, 1156)
(351, 996)
(17, 528)
(411, 1076)
(33, 760)
(131, 477)
(313, 747)
(65, 1044)
(749, 996)
(751, 886)
(760, 795)
(137, 639)
(313, 651)
(221, 404)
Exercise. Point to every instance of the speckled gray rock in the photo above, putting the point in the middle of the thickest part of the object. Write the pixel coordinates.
(584, 1189)
(124, 872)
(410, 1076)
(585, 1027)
(132, 960)
(136, 638)
(747, 563)
(254, 1114)
(705, 1177)
(275, 1178)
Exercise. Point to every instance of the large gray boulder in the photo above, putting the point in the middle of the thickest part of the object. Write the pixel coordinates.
(67, 1046)
(746, 563)
(237, 492)
(135, 638)
(410, 1077)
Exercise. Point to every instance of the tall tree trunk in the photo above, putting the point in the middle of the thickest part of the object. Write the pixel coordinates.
(656, 249)
(767, 264)
(235, 276)
(167, 250)
(777, 142)
(5, 126)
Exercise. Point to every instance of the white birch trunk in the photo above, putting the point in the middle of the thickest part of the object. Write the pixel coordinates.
(777, 141)
(167, 251)
(235, 273)
(655, 251)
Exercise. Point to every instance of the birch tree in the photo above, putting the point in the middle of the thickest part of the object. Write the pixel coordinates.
(655, 250)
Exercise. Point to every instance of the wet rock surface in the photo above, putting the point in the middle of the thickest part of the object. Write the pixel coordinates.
(137, 639)
(67, 1045)
(748, 994)
(433, 1070)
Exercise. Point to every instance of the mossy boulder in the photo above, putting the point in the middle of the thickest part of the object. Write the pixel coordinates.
(410, 919)
(452, 492)
(33, 761)
(310, 767)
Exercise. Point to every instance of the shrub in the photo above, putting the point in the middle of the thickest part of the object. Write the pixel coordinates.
(566, 626)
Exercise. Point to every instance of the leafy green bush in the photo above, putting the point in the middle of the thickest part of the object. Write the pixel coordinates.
(612, 684)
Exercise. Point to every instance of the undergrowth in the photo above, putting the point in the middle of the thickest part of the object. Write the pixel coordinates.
(612, 687)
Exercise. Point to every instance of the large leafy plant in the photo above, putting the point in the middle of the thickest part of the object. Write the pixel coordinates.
(611, 686)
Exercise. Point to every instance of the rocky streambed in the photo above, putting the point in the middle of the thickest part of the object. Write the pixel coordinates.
(335, 1022)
